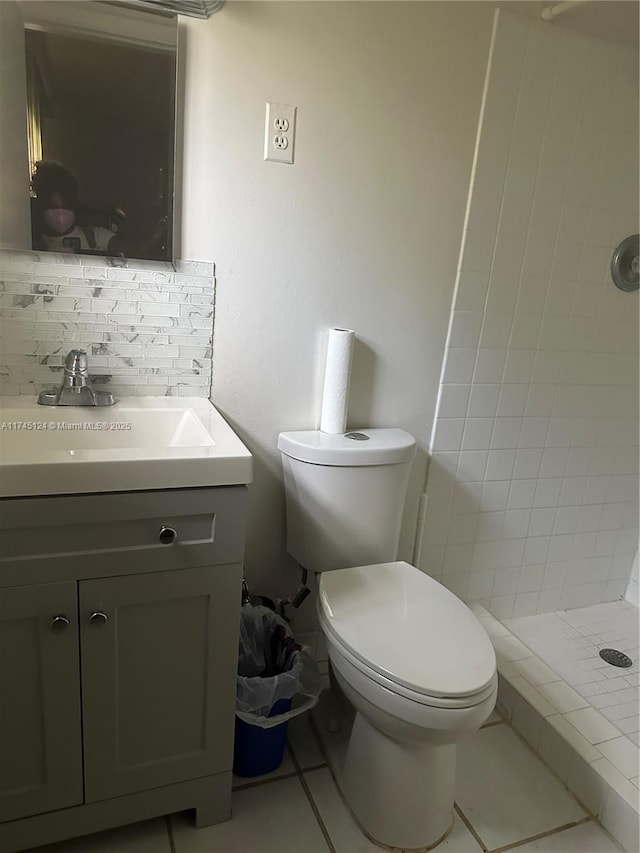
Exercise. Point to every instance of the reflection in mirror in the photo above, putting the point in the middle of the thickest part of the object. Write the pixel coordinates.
(101, 143)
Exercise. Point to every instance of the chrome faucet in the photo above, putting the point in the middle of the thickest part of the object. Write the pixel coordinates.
(77, 386)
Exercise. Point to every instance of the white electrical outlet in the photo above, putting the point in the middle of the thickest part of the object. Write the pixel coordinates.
(279, 133)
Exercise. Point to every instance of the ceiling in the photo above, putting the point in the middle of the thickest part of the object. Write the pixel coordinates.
(615, 20)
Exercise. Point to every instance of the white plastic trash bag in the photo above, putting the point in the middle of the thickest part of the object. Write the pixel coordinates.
(272, 666)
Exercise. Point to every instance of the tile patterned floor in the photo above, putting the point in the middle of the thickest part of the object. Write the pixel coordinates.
(569, 642)
(506, 799)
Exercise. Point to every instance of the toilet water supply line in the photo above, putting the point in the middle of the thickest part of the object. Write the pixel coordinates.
(555, 9)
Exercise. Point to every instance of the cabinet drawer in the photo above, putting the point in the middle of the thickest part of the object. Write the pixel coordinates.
(83, 536)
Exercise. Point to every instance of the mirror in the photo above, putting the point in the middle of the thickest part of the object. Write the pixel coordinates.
(100, 100)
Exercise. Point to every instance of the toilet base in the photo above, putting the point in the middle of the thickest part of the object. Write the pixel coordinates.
(400, 793)
(417, 820)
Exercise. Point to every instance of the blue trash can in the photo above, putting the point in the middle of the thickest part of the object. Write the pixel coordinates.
(256, 750)
(276, 679)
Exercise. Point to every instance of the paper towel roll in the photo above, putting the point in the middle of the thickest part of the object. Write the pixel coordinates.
(337, 376)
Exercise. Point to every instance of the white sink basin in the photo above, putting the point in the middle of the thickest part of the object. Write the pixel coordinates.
(140, 443)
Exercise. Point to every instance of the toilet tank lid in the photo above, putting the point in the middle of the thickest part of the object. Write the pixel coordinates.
(357, 447)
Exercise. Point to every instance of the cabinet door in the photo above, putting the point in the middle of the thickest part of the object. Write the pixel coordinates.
(40, 736)
(159, 660)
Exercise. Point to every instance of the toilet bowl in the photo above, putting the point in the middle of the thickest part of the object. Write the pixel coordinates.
(420, 671)
(408, 655)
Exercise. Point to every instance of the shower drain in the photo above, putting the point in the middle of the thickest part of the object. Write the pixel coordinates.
(616, 658)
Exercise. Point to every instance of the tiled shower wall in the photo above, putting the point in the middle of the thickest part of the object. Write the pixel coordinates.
(146, 326)
(533, 480)
(632, 593)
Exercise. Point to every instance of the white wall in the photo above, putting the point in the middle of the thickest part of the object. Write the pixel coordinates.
(363, 231)
(533, 485)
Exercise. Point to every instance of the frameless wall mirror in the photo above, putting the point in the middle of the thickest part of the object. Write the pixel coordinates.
(100, 93)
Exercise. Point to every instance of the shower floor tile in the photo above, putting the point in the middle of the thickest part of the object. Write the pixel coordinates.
(569, 641)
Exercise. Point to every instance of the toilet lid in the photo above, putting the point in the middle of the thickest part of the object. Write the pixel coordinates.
(406, 626)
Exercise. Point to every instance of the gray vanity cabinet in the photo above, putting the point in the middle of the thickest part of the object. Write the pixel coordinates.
(158, 679)
(40, 734)
(119, 619)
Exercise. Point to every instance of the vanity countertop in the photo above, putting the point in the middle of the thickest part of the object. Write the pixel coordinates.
(140, 443)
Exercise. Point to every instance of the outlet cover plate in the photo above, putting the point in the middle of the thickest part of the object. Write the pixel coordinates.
(279, 133)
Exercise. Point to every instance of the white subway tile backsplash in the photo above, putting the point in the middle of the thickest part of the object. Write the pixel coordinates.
(541, 372)
(135, 334)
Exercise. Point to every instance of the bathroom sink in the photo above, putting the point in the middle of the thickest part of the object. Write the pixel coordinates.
(140, 443)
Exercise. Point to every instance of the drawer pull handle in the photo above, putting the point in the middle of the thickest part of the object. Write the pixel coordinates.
(59, 623)
(98, 618)
(167, 535)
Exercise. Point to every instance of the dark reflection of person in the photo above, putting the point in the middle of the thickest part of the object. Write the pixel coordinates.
(54, 216)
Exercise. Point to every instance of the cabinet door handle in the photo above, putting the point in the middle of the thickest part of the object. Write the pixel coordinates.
(98, 618)
(59, 623)
(167, 535)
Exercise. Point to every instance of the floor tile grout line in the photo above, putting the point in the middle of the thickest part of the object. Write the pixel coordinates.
(312, 803)
(313, 767)
(566, 826)
(493, 724)
(318, 816)
(470, 827)
(172, 843)
(257, 782)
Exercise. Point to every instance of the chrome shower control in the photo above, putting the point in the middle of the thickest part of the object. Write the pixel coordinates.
(625, 266)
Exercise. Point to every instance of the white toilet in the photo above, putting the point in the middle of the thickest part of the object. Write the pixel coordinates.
(412, 659)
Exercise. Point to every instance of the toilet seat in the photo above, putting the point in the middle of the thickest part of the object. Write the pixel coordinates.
(409, 633)
(411, 696)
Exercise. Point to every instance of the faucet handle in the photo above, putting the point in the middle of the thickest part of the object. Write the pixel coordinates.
(76, 361)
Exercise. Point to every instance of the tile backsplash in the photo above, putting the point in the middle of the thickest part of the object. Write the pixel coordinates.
(533, 478)
(147, 326)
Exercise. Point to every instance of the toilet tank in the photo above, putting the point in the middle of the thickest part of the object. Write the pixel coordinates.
(345, 495)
